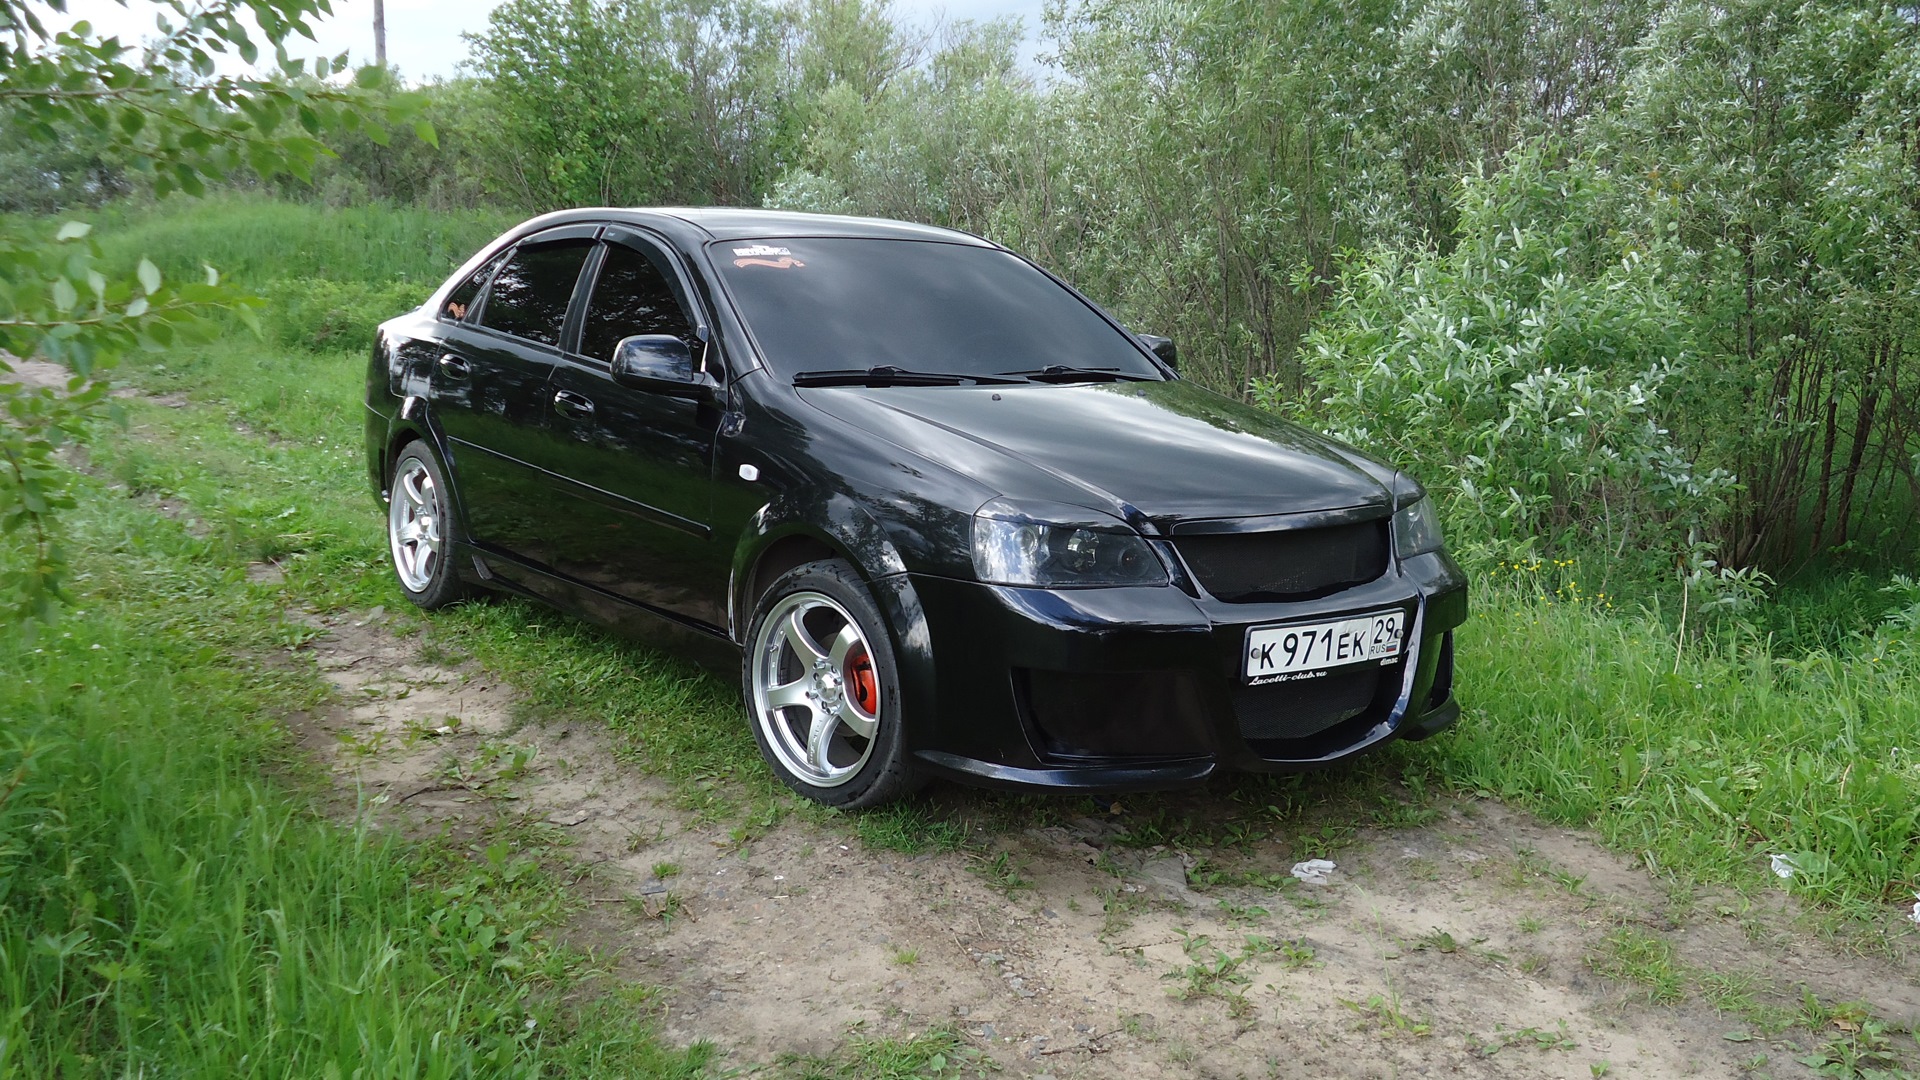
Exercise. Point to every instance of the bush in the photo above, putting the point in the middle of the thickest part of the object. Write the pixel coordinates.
(1522, 374)
(318, 315)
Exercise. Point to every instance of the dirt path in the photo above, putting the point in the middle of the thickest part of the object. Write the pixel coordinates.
(1478, 944)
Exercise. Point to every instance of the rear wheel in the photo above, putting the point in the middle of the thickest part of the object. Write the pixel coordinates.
(823, 691)
(418, 530)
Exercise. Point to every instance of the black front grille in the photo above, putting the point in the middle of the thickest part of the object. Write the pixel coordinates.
(1298, 709)
(1289, 564)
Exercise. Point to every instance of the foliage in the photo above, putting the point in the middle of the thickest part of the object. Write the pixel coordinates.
(1739, 180)
(1717, 200)
(168, 114)
(318, 314)
(43, 310)
(581, 122)
(624, 102)
(1769, 143)
(920, 144)
(1528, 366)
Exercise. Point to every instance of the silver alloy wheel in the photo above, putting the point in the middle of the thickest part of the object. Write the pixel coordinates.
(817, 704)
(413, 525)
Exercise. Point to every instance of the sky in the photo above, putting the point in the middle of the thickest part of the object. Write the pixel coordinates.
(423, 36)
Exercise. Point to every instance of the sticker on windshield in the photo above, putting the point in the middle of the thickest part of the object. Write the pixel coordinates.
(775, 258)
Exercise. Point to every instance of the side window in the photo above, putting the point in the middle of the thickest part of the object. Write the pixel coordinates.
(460, 301)
(632, 296)
(528, 297)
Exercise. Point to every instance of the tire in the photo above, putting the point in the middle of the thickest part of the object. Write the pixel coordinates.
(823, 691)
(419, 533)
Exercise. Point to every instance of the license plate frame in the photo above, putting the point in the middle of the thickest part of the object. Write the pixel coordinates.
(1307, 649)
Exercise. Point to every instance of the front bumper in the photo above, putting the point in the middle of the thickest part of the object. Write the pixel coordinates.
(1128, 688)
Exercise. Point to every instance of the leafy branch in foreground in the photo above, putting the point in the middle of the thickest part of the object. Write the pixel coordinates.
(167, 110)
(44, 311)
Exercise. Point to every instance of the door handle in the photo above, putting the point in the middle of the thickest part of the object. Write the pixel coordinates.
(454, 366)
(567, 403)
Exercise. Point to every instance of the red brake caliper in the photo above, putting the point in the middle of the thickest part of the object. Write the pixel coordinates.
(866, 688)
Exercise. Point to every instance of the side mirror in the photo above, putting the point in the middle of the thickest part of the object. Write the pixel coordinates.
(662, 364)
(1163, 348)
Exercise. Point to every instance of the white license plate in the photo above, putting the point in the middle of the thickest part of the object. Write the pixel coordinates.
(1284, 653)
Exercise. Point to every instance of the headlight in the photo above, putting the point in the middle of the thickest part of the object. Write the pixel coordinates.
(1016, 546)
(1416, 529)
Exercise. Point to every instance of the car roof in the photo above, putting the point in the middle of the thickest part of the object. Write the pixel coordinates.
(736, 223)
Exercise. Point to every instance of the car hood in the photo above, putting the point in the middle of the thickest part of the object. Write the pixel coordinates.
(1163, 451)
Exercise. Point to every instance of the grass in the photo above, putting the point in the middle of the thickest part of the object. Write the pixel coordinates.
(1211, 971)
(939, 1054)
(171, 901)
(253, 240)
(1385, 1013)
(135, 918)
(1636, 956)
(1705, 759)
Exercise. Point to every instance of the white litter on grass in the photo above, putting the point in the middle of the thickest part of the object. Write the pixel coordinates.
(1916, 909)
(1313, 871)
(1782, 866)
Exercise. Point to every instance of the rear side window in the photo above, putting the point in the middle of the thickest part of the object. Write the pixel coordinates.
(633, 296)
(529, 296)
(460, 301)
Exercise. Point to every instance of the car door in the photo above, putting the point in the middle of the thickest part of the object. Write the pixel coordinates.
(489, 393)
(637, 463)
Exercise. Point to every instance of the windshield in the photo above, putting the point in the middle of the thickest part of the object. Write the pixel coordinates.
(854, 303)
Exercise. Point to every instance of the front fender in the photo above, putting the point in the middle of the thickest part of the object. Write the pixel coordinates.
(841, 526)
(834, 520)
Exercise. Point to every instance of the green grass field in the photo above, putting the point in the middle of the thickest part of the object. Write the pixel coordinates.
(172, 902)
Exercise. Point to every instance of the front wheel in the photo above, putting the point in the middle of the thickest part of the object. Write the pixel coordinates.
(418, 530)
(823, 691)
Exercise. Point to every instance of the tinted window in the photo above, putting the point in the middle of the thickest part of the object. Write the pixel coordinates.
(529, 295)
(819, 304)
(460, 301)
(632, 297)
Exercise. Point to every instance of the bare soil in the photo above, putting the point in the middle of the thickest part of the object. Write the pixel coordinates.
(1472, 945)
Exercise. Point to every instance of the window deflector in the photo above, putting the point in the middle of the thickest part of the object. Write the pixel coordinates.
(591, 230)
(677, 279)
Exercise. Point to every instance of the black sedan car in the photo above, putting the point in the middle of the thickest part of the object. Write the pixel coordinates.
(947, 515)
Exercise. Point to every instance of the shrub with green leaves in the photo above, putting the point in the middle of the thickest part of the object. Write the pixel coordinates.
(319, 315)
(1523, 374)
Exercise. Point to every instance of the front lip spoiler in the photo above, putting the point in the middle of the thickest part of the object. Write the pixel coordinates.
(1438, 719)
(1142, 777)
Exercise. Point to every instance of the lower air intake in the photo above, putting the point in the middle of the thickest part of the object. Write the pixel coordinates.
(1296, 710)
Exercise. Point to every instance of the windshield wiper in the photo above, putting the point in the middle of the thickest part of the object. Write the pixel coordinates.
(1061, 373)
(889, 375)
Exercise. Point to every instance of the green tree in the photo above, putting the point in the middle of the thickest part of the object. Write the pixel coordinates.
(739, 125)
(1772, 143)
(580, 102)
(947, 141)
